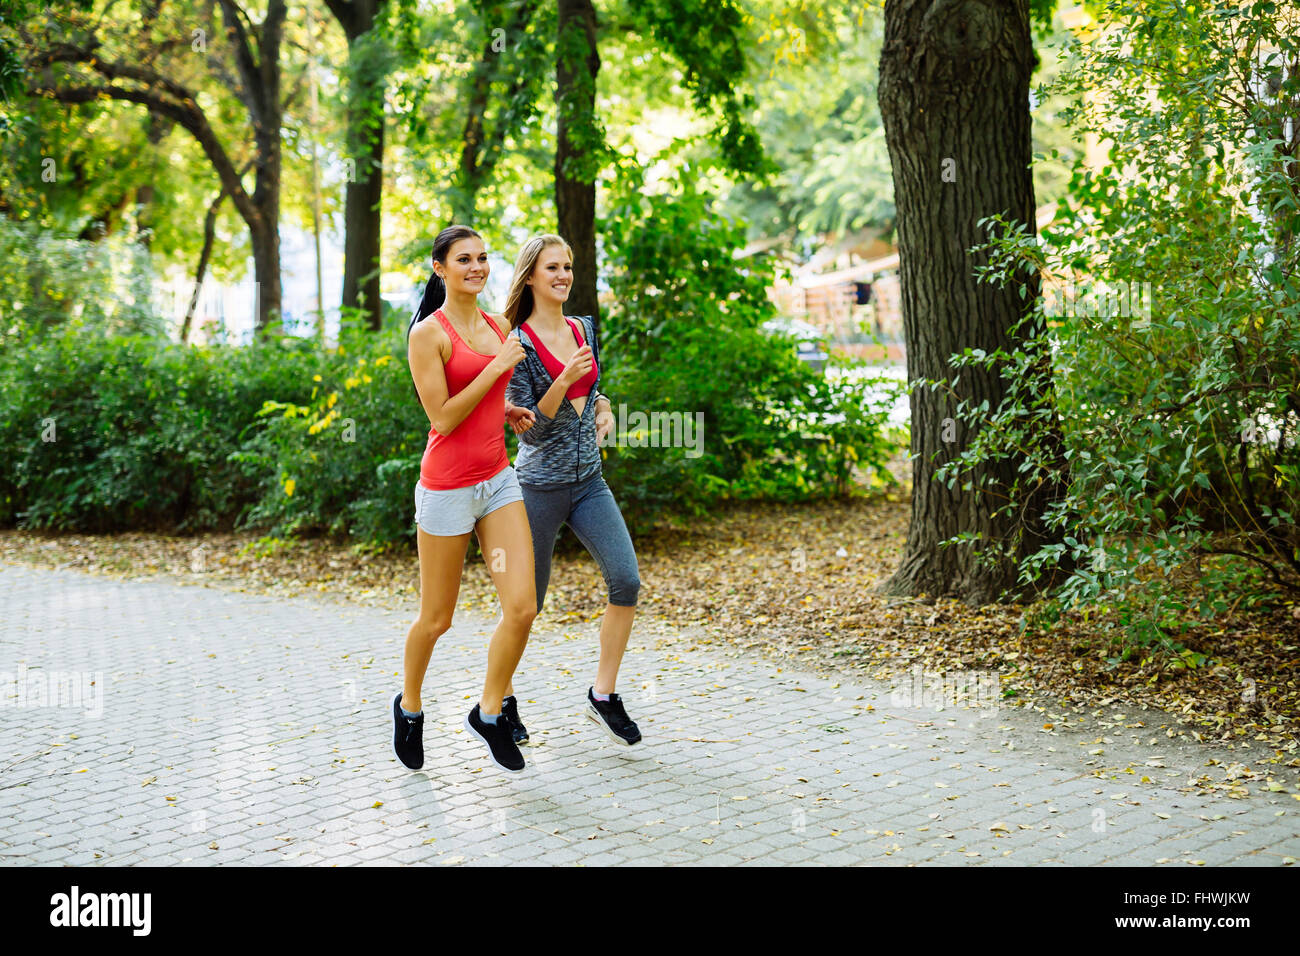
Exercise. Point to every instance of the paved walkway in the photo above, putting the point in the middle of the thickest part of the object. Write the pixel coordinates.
(227, 728)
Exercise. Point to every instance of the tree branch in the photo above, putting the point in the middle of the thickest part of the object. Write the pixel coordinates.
(244, 59)
(272, 33)
(112, 69)
(188, 116)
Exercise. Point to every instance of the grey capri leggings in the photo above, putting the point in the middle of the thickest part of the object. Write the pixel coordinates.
(588, 507)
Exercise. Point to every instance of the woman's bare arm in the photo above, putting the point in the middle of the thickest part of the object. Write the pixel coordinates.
(425, 355)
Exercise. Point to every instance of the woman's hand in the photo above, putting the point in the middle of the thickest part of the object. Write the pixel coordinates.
(604, 421)
(510, 355)
(520, 419)
(578, 366)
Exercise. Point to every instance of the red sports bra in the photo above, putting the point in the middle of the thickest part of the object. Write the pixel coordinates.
(555, 367)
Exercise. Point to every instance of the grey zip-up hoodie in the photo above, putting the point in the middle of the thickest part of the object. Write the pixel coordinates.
(561, 450)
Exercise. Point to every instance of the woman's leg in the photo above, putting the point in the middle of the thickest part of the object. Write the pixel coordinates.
(507, 529)
(599, 525)
(441, 561)
(615, 630)
(546, 513)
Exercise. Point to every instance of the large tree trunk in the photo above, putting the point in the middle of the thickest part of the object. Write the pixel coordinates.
(361, 223)
(266, 191)
(156, 130)
(469, 176)
(579, 138)
(156, 127)
(954, 97)
(266, 270)
(365, 142)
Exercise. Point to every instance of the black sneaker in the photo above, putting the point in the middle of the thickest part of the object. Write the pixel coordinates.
(612, 718)
(499, 738)
(510, 707)
(408, 736)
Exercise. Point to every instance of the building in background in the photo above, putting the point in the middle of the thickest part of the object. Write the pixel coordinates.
(849, 292)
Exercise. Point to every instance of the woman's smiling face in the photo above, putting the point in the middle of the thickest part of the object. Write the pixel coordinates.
(466, 267)
(552, 276)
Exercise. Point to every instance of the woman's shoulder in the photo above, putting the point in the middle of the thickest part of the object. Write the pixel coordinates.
(499, 320)
(427, 333)
(519, 330)
(588, 327)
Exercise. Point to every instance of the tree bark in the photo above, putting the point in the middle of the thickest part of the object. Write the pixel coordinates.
(954, 97)
(577, 148)
(469, 175)
(266, 179)
(361, 224)
(365, 142)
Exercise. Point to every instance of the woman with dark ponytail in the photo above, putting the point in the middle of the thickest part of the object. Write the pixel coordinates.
(460, 364)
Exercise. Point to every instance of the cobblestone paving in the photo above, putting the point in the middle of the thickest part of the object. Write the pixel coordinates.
(228, 728)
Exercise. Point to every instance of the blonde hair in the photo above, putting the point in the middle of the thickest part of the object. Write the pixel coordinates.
(519, 303)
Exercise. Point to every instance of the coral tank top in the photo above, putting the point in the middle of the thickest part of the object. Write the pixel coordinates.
(476, 448)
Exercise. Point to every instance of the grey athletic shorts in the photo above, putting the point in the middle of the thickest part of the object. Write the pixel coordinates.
(452, 511)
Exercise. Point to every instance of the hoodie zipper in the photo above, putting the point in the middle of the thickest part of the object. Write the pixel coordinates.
(577, 450)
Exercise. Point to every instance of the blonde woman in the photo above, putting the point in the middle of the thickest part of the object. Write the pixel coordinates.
(559, 461)
(461, 362)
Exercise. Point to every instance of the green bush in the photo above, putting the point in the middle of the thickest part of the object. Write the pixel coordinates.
(1180, 472)
(106, 433)
(344, 459)
(683, 336)
(109, 433)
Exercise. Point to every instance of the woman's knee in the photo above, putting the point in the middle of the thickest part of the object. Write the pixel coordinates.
(432, 626)
(520, 612)
(624, 588)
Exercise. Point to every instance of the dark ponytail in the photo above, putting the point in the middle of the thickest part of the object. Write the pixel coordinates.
(435, 292)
